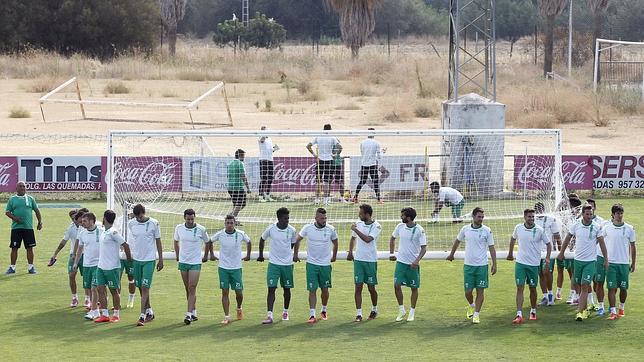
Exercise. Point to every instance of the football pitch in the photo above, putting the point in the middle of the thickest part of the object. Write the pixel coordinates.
(36, 322)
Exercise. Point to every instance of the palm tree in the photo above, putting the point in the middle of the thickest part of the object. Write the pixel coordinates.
(550, 9)
(357, 21)
(172, 12)
(597, 8)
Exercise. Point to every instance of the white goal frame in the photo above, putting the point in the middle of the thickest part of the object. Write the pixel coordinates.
(611, 44)
(188, 106)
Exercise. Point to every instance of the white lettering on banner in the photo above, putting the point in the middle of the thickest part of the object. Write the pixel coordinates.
(155, 173)
(533, 172)
(294, 176)
(618, 172)
(573, 173)
(5, 177)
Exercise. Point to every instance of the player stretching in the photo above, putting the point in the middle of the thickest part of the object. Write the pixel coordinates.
(318, 261)
(586, 234)
(188, 240)
(70, 235)
(620, 240)
(447, 196)
(531, 239)
(109, 267)
(549, 225)
(230, 266)
(280, 264)
(412, 248)
(145, 236)
(364, 236)
(88, 249)
(478, 240)
(328, 146)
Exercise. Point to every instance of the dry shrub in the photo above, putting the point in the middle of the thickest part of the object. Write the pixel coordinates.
(43, 85)
(19, 112)
(358, 89)
(167, 93)
(314, 95)
(116, 87)
(536, 120)
(423, 111)
(397, 109)
(348, 107)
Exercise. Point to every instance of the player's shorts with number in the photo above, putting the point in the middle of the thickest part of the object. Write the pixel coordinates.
(89, 274)
(365, 272)
(127, 267)
(617, 276)
(405, 275)
(111, 278)
(231, 279)
(551, 267)
(70, 264)
(143, 271)
(281, 273)
(188, 267)
(600, 272)
(318, 276)
(475, 277)
(584, 272)
(569, 264)
(526, 274)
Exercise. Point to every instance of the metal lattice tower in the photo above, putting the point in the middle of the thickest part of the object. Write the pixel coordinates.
(472, 68)
(244, 17)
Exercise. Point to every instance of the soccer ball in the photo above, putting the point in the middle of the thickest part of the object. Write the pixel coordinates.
(347, 195)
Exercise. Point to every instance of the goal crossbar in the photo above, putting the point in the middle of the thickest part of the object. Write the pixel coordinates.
(612, 44)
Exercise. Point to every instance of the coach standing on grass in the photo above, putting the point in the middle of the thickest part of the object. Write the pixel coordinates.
(19, 209)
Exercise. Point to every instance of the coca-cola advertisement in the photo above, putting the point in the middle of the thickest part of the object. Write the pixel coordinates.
(299, 174)
(8, 174)
(534, 172)
(147, 174)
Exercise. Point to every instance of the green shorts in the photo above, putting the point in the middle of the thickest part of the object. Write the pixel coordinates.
(365, 272)
(143, 271)
(89, 276)
(318, 276)
(584, 272)
(231, 279)
(551, 267)
(475, 277)
(70, 265)
(526, 273)
(569, 264)
(405, 275)
(600, 272)
(111, 278)
(457, 209)
(560, 264)
(281, 273)
(127, 267)
(617, 276)
(188, 267)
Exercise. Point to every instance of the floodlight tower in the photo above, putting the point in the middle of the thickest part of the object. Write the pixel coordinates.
(245, 12)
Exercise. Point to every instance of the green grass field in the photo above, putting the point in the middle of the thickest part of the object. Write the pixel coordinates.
(35, 322)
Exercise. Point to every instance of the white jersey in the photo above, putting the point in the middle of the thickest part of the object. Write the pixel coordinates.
(477, 242)
(549, 224)
(265, 149)
(110, 245)
(601, 222)
(190, 242)
(71, 235)
(531, 242)
(618, 240)
(449, 195)
(282, 241)
(367, 251)
(370, 151)
(90, 240)
(230, 248)
(585, 240)
(142, 237)
(325, 147)
(319, 243)
(411, 239)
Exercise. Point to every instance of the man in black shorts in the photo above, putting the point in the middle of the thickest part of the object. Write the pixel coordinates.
(19, 209)
(327, 147)
(236, 182)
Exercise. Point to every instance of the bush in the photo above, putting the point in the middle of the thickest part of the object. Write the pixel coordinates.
(423, 111)
(19, 112)
(261, 32)
(116, 88)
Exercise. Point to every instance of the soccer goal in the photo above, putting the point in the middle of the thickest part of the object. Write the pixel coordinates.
(502, 171)
(619, 64)
(115, 106)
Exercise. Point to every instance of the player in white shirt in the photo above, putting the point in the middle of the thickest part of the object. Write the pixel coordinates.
(370, 152)
(587, 234)
(478, 240)
(280, 264)
(324, 160)
(411, 249)
(230, 265)
(69, 235)
(144, 235)
(189, 237)
(364, 236)
(447, 196)
(549, 224)
(600, 274)
(569, 263)
(620, 242)
(266, 166)
(531, 239)
(109, 268)
(319, 236)
(88, 249)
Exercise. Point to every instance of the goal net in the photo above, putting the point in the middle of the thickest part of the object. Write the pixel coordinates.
(502, 171)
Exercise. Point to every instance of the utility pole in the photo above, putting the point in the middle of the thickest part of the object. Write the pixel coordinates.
(570, 40)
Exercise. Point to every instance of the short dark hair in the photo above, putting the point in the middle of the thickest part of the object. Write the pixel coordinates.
(591, 201)
(573, 195)
(367, 208)
(138, 209)
(79, 214)
(409, 212)
(72, 212)
(528, 211)
(539, 207)
(109, 216)
(282, 211)
(90, 216)
(187, 212)
(320, 210)
(230, 217)
(239, 152)
(327, 127)
(574, 202)
(83, 209)
(477, 210)
(434, 185)
(616, 208)
(586, 207)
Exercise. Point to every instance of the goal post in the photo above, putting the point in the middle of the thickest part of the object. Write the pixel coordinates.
(170, 171)
(630, 72)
